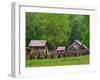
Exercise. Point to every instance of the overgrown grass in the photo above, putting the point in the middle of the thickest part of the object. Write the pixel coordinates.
(58, 61)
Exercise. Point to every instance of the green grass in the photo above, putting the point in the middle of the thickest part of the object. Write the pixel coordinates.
(58, 61)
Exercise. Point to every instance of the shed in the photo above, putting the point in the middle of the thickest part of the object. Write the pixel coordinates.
(38, 47)
(77, 45)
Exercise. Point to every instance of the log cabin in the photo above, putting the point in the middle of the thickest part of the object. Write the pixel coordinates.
(77, 48)
(76, 45)
(38, 48)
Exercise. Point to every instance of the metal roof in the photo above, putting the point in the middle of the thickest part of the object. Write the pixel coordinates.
(37, 43)
(76, 44)
(77, 41)
(60, 48)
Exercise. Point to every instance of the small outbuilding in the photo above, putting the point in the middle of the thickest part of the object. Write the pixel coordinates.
(60, 49)
(38, 47)
(76, 45)
(77, 48)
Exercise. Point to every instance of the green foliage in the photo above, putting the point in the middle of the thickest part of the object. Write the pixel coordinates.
(85, 31)
(80, 28)
(57, 29)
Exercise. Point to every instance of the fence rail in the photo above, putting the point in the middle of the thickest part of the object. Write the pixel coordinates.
(55, 54)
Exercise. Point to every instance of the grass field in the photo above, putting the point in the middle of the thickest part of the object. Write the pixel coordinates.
(58, 61)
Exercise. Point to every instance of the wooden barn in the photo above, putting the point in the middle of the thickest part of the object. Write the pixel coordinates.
(76, 45)
(38, 48)
(77, 48)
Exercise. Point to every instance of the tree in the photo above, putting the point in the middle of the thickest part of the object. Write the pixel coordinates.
(79, 28)
(57, 29)
(85, 30)
(52, 27)
(75, 24)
